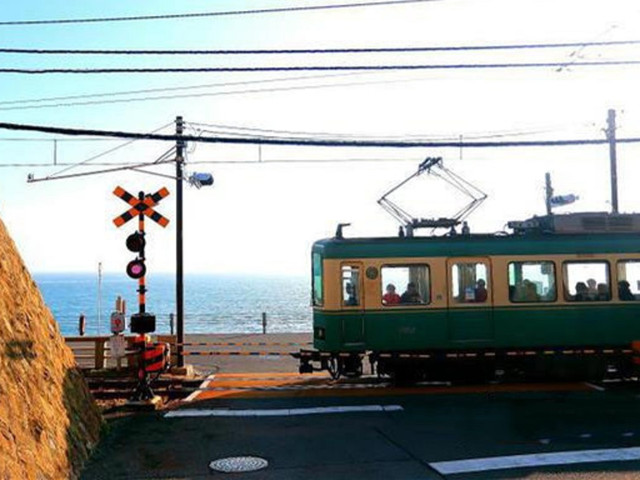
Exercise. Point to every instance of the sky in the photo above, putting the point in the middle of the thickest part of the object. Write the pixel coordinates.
(263, 218)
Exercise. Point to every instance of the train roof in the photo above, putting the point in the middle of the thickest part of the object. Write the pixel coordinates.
(478, 245)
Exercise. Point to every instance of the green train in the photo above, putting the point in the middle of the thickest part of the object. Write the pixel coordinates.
(558, 297)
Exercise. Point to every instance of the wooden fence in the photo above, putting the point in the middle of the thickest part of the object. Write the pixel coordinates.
(93, 352)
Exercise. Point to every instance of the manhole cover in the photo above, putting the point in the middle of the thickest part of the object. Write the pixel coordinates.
(238, 464)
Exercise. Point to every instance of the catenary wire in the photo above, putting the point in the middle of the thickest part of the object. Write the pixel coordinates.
(316, 68)
(310, 142)
(162, 159)
(229, 129)
(184, 87)
(292, 51)
(226, 13)
(215, 94)
(51, 140)
(109, 151)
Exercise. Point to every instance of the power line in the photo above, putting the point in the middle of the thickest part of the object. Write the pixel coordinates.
(240, 130)
(295, 51)
(215, 94)
(49, 140)
(317, 68)
(212, 94)
(135, 166)
(310, 142)
(184, 87)
(67, 164)
(211, 14)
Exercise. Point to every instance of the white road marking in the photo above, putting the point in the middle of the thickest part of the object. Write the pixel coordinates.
(280, 412)
(628, 434)
(537, 460)
(545, 441)
(586, 435)
(192, 396)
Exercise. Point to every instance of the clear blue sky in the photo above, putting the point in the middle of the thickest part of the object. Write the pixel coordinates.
(264, 218)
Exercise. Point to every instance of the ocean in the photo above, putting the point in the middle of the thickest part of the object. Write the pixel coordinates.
(213, 303)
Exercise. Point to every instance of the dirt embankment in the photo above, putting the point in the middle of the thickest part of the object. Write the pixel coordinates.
(48, 420)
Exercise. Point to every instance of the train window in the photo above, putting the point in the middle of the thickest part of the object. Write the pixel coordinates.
(350, 286)
(405, 285)
(469, 282)
(629, 280)
(316, 279)
(532, 282)
(587, 281)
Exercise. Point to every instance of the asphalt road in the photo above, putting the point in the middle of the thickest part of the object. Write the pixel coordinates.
(426, 426)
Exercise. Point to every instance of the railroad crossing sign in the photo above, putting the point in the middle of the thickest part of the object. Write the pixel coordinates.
(142, 322)
(141, 206)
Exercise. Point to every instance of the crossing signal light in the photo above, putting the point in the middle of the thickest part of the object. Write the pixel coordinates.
(136, 269)
(136, 242)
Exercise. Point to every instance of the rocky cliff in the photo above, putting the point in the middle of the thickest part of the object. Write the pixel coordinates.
(48, 420)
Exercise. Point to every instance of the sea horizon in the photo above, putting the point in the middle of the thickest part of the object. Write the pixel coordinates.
(214, 302)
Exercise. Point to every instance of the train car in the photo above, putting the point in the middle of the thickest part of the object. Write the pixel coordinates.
(559, 297)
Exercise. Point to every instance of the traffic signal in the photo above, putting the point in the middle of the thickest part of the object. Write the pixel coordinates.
(136, 269)
(136, 242)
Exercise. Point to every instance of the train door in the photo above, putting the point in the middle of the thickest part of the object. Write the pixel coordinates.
(352, 304)
(470, 301)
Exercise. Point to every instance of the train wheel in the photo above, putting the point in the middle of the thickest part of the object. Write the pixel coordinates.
(334, 368)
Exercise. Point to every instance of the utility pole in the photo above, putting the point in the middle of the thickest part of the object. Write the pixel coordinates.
(611, 136)
(548, 190)
(179, 249)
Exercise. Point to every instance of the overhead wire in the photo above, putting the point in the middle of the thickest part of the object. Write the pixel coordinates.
(106, 152)
(290, 9)
(182, 87)
(58, 176)
(316, 68)
(215, 94)
(243, 131)
(48, 140)
(315, 142)
(320, 51)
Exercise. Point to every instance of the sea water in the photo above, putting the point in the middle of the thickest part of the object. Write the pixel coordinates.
(213, 303)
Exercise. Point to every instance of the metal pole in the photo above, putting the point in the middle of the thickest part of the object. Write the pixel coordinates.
(179, 249)
(99, 296)
(611, 136)
(142, 283)
(548, 192)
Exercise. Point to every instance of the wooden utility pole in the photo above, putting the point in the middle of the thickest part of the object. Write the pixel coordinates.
(613, 160)
(179, 249)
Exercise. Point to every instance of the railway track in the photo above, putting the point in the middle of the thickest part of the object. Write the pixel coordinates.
(253, 385)
(122, 388)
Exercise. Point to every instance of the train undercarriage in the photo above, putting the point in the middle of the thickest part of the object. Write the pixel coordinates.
(584, 363)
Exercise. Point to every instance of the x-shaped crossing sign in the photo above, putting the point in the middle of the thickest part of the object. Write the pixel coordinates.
(141, 206)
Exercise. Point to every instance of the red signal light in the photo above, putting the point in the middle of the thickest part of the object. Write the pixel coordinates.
(136, 269)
